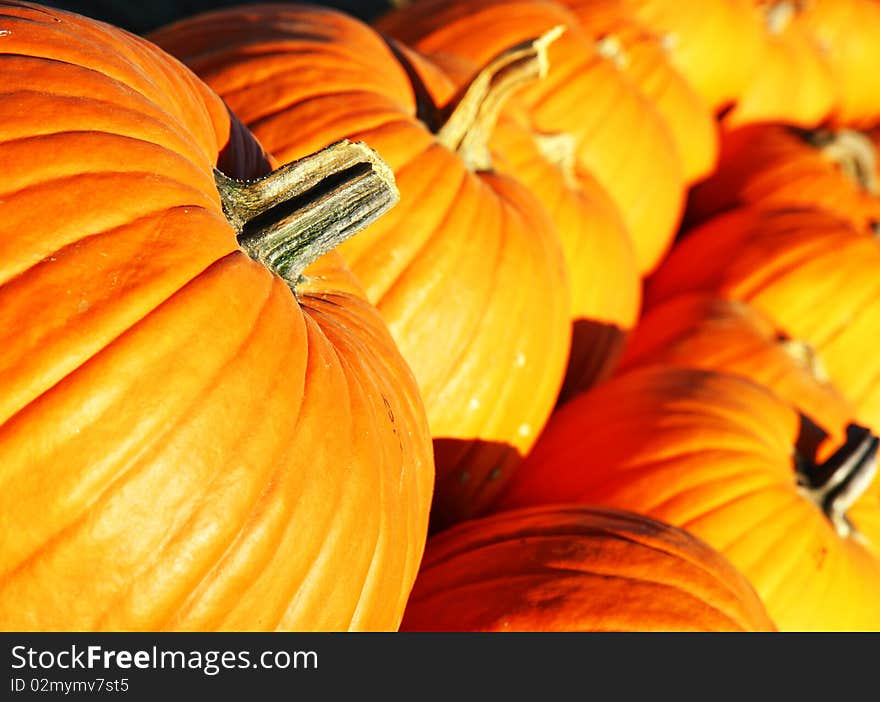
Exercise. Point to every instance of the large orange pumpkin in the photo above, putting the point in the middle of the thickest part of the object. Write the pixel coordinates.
(576, 568)
(773, 166)
(701, 330)
(715, 454)
(189, 439)
(467, 270)
(813, 275)
(639, 53)
(618, 136)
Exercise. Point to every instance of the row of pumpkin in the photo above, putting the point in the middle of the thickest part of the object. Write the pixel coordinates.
(185, 446)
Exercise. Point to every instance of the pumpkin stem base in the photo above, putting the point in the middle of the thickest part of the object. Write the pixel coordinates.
(837, 483)
(301, 211)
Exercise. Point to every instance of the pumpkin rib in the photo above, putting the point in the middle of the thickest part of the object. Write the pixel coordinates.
(721, 502)
(122, 475)
(28, 143)
(433, 232)
(218, 564)
(428, 220)
(90, 353)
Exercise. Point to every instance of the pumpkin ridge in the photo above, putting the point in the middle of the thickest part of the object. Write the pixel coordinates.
(552, 574)
(433, 233)
(195, 507)
(180, 145)
(180, 162)
(732, 475)
(126, 472)
(433, 227)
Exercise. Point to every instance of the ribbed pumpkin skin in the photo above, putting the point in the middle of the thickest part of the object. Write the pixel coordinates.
(583, 95)
(184, 444)
(792, 83)
(606, 288)
(848, 35)
(812, 274)
(769, 166)
(467, 269)
(575, 568)
(716, 44)
(712, 454)
(639, 54)
(699, 330)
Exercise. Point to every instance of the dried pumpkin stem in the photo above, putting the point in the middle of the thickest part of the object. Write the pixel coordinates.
(299, 212)
(837, 483)
(560, 149)
(779, 15)
(852, 151)
(469, 119)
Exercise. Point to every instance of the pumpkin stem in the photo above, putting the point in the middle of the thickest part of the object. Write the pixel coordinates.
(837, 483)
(852, 151)
(289, 218)
(779, 15)
(806, 356)
(469, 118)
(560, 150)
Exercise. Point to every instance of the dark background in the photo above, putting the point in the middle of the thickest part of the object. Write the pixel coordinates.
(142, 17)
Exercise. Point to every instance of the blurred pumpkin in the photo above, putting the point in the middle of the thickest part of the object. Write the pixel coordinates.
(639, 54)
(792, 83)
(700, 330)
(577, 568)
(813, 275)
(772, 166)
(715, 454)
(617, 135)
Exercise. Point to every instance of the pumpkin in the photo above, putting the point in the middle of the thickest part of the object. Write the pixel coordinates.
(467, 270)
(700, 330)
(190, 438)
(793, 82)
(640, 55)
(772, 166)
(583, 98)
(717, 45)
(577, 568)
(605, 283)
(847, 33)
(715, 454)
(812, 274)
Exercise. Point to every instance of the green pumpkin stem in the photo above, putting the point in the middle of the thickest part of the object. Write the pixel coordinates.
(470, 117)
(291, 217)
(837, 483)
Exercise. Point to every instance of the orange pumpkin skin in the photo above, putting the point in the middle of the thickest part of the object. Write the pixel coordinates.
(716, 45)
(847, 33)
(467, 270)
(583, 96)
(792, 83)
(812, 274)
(184, 444)
(713, 454)
(700, 330)
(606, 288)
(577, 568)
(770, 166)
(639, 54)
